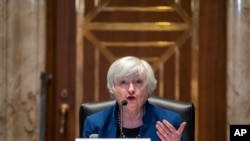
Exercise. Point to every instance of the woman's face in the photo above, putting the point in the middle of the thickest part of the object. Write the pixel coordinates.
(133, 89)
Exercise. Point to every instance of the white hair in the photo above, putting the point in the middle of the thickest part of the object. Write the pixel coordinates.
(128, 66)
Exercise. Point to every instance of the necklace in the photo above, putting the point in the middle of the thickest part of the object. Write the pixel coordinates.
(128, 131)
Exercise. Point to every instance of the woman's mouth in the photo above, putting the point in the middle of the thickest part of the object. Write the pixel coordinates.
(131, 98)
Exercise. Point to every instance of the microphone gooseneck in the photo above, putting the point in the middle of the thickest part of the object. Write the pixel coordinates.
(123, 103)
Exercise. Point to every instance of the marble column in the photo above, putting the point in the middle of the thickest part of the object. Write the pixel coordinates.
(238, 71)
(22, 59)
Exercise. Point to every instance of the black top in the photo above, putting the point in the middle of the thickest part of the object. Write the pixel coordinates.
(129, 132)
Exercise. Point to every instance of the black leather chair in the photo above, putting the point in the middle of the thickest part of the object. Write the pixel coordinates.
(185, 109)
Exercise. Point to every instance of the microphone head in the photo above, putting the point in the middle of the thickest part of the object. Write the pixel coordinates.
(124, 102)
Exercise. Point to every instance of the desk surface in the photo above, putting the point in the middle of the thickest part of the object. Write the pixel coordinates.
(111, 139)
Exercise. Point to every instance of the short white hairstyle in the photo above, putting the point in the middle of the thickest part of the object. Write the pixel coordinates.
(128, 66)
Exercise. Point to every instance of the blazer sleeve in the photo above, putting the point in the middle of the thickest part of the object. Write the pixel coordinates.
(88, 128)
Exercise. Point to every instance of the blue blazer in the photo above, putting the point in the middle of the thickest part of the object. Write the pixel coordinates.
(104, 123)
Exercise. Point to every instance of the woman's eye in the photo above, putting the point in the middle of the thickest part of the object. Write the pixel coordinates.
(126, 83)
(123, 82)
(138, 81)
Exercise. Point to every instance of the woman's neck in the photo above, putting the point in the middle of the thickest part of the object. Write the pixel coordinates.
(132, 119)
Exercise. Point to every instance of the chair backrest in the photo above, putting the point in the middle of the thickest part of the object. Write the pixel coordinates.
(185, 109)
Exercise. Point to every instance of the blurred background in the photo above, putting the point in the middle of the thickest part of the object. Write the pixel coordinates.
(54, 55)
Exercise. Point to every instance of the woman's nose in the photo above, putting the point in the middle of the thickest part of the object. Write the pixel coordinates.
(131, 87)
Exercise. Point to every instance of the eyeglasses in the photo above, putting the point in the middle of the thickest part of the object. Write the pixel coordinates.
(125, 83)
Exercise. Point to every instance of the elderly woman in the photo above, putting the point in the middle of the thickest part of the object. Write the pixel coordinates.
(131, 81)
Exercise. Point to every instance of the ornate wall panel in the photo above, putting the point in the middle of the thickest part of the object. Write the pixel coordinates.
(160, 31)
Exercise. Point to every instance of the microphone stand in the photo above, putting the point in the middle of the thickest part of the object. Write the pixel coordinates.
(123, 103)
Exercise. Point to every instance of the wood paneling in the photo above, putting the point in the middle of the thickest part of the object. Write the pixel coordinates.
(162, 36)
(212, 71)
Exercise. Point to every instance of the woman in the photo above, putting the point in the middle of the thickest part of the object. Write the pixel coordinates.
(131, 81)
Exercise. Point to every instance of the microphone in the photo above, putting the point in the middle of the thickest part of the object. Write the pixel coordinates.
(123, 103)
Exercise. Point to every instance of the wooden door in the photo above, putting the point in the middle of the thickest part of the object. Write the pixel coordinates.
(61, 64)
(167, 33)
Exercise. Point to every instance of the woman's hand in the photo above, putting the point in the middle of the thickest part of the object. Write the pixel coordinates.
(167, 132)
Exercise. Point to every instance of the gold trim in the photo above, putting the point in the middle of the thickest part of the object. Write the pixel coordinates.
(145, 26)
(177, 73)
(96, 76)
(139, 9)
(138, 44)
(161, 80)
